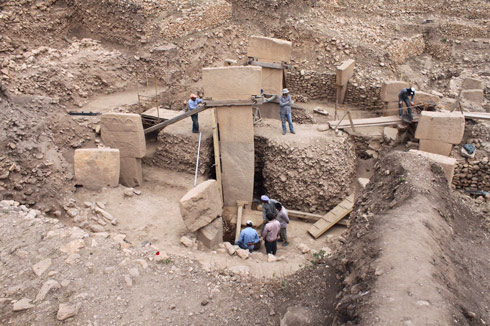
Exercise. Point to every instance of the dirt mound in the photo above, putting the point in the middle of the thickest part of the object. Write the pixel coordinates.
(410, 255)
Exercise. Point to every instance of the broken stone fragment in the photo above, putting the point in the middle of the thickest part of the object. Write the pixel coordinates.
(186, 241)
(22, 304)
(229, 248)
(242, 253)
(303, 248)
(212, 234)
(66, 310)
(42, 266)
(47, 286)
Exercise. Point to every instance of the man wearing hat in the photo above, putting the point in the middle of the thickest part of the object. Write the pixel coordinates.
(249, 238)
(406, 96)
(192, 105)
(285, 104)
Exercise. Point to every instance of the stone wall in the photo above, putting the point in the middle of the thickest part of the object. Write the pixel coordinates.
(312, 175)
(405, 48)
(178, 152)
(316, 85)
(472, 175)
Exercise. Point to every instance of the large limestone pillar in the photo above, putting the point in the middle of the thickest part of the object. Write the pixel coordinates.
(236, 127)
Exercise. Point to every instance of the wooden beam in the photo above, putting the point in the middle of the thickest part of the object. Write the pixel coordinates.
(217, 155)
(167, 123)
(279, 66)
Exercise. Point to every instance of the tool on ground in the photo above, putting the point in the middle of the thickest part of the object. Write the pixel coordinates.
(84, 113)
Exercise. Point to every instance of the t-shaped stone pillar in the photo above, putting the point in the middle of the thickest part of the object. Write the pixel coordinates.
(270, 50)
(236, 127)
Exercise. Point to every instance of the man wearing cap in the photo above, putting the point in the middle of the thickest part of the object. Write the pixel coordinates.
(192, 105)
(285, 104)
(249, 238)
(406, 95)
(267, 208)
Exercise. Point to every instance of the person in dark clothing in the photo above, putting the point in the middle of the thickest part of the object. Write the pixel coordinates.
(406, 95)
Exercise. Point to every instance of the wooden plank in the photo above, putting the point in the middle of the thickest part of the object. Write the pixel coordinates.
(332, 217)
(477, 115)
(238, 222)
(304, 216)
(210, 103)
(217, 155)
(167, 123)
(370, 122)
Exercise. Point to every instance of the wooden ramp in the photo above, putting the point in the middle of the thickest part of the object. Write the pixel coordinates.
(477, 115)
(331, 218)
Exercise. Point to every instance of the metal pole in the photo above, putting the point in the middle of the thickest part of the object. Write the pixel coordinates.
(197, 161)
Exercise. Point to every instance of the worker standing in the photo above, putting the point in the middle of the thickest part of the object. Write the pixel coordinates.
(192, 105)
(283, 218)
(267, 208)
(285, 104)
(406, 95)
(270, 233)
(249, 238)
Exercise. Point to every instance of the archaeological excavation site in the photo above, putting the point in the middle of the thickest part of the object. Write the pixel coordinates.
(226, 162)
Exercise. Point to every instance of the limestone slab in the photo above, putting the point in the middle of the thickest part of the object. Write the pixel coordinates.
(422, 97)
(390, 134)
(97, 167)
(390, 90)
(237, 153)
(447, 163)
(269, 49)
(232, 83)
(125, 132)
(345, 72)
(390, 108)
(131, 172)
(212, 234)
(473, 95)
(272, 81)
(201, 205)
(472, 83)
(445, 127)
(436, 147)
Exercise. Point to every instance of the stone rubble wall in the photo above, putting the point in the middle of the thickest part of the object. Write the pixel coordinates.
(317, 85)
(312, 177)
(405, 48)
(178, 153)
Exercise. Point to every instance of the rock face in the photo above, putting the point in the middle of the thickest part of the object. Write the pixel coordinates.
(212, 234)
(125, 132)
(97, 167)
(201, 205)
(310, 174)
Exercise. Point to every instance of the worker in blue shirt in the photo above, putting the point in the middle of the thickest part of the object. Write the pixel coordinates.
(192, 105)
(406, 95)
(249, 238)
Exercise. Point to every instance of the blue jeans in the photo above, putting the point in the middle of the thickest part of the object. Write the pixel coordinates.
(244, 246)
(195, 123)
(407, 103)
(287, 116)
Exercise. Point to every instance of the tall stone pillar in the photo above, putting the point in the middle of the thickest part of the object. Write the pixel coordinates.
(236, 127)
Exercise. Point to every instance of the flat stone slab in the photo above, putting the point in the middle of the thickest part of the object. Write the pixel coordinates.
(125, 132)
(447, 163)
(436, 147)
(473, 83)
(390, 90)
(424, 98)
(345, 72)
(97, 167)
(473, 95)
(445, 127)
(232, 83)
(269, 49)
(201, 205)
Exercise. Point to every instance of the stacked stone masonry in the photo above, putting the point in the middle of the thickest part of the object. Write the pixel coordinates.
(315, 85)
(311, 177)
(472, 175)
